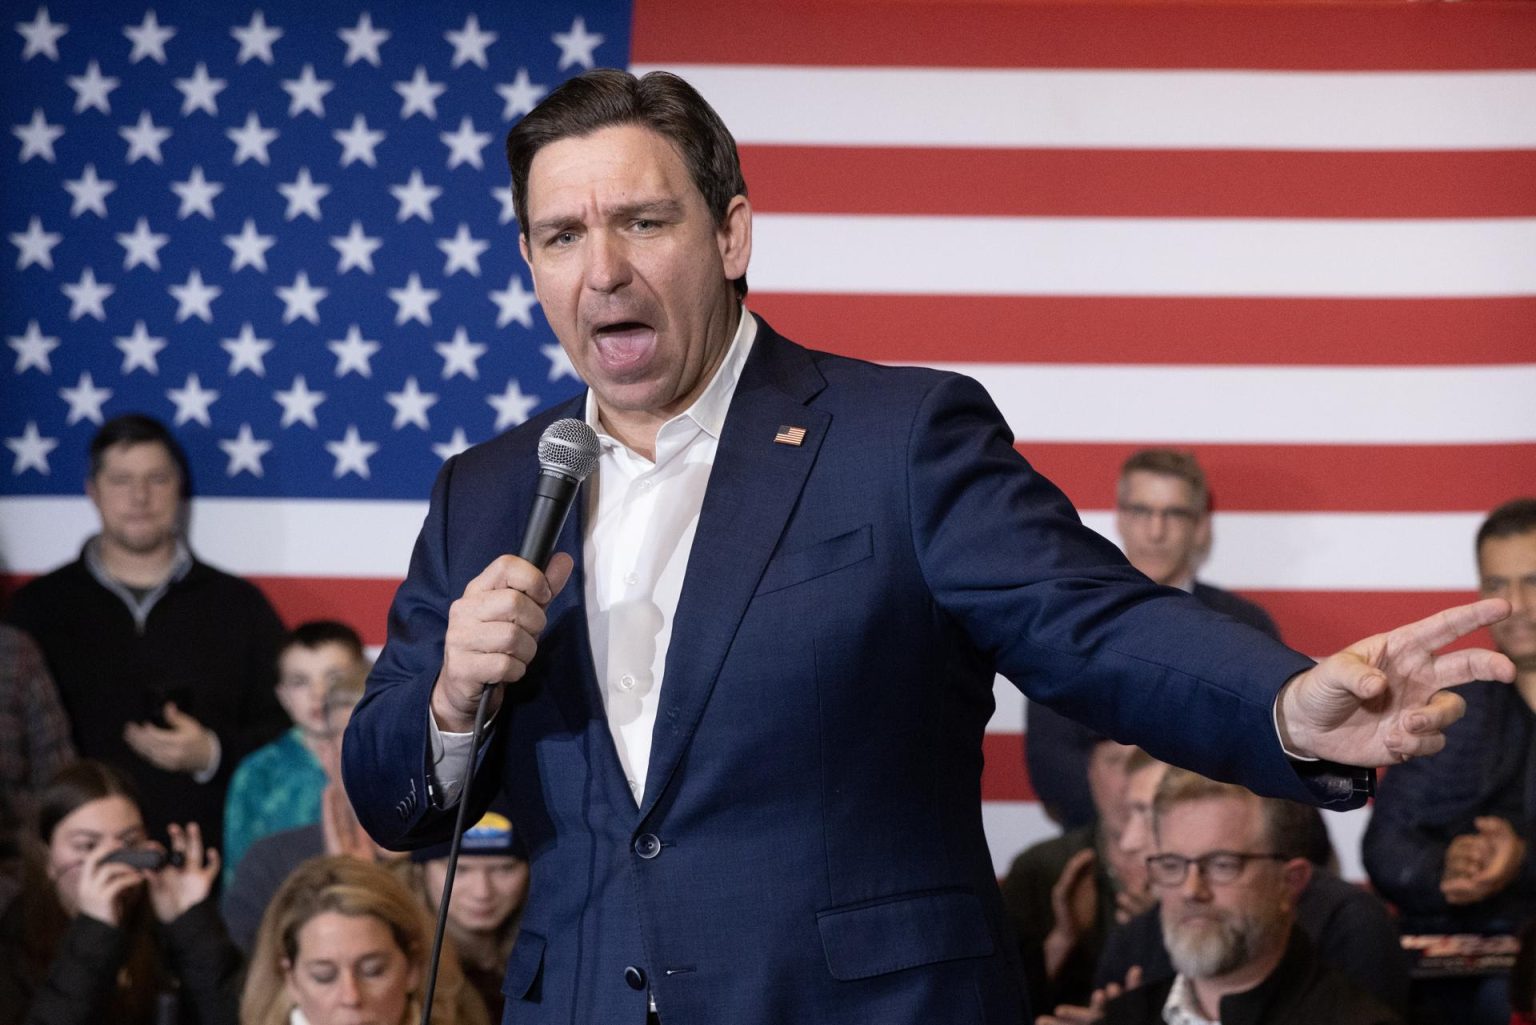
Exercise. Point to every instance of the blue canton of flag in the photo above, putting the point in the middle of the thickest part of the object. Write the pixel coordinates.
(285, 230)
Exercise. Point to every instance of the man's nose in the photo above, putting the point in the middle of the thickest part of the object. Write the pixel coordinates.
(607, 266)
(1194, 886)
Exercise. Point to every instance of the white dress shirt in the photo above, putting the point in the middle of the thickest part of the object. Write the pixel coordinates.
(640, 520)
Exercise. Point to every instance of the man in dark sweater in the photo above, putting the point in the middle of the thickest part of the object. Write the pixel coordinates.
(1230, 868)
(165, 665)
(1163, 516)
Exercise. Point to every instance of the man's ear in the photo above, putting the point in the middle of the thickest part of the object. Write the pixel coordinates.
(1297, 873)
(735, 238)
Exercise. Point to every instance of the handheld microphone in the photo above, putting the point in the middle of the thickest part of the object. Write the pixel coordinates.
(568, 453)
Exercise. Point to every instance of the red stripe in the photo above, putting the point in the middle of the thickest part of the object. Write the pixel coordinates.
(1379, 36)
(1003, 777)
(1092, 329)
(1322, 622)
(1139, 183)
(1309, 478)
(362, 603)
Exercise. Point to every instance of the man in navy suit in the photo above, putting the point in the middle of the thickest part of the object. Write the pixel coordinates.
(742, 721)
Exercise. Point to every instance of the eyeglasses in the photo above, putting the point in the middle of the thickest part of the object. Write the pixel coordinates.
(1215, 867)
(1173, 514)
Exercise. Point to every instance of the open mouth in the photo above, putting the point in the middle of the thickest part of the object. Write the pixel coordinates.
(624, 344)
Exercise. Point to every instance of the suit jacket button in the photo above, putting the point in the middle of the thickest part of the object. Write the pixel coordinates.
(634, 977)
(647, 846)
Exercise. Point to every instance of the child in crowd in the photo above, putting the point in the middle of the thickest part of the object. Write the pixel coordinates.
(486, 908)
(278, 786)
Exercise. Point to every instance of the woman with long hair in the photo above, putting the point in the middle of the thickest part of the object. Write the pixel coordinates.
(116, 928)
(345, 941)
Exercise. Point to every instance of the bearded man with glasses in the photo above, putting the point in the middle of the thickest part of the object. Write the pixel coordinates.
(1228, 868)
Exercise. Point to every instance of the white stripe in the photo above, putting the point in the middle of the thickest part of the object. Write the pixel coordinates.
(1257, 551)
(1105, 256)
(245, 536)
(1288, 110)
(1012, 826)
(1263, 404)
(1254, 551)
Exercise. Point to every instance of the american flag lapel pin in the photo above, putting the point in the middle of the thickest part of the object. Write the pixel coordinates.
(789, 435)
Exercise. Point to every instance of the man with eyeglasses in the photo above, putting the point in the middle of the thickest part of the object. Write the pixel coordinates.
(1229, 868)
(1163, 516)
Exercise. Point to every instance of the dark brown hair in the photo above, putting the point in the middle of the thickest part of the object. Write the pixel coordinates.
(1517, 516)
(79, 783)
(138, 429)
(659, 101)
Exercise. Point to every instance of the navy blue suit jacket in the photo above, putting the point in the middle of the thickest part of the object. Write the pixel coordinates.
(809, 844)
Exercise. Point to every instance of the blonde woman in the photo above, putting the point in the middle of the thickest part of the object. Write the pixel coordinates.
(345, 941)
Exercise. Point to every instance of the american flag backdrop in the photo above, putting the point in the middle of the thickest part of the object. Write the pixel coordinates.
(1297, 238)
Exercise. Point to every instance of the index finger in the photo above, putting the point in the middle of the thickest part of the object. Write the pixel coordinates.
(1443, 627)
(510, 571)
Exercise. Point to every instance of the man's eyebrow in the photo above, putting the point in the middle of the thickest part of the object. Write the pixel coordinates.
(626, 211)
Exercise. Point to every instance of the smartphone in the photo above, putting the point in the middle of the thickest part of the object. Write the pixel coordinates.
(150, 858)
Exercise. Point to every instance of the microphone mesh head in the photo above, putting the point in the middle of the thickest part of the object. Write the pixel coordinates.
(569, 447)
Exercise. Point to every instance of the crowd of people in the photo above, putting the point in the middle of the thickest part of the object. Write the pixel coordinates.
(1167, 896)
(791, 833)
(1446, 848)
(175, 840)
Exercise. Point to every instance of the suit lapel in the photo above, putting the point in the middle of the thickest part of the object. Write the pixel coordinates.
(753, 487)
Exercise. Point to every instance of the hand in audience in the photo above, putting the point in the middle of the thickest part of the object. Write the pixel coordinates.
(1383, 700)
(338, 824)
(1504, 858)
(103, 887)
(185, 745)
(1069, 1014)
(1465, 856)
(1074, 903)
(174, 891)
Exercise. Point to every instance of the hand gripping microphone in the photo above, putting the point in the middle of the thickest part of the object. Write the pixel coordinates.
(568, 453)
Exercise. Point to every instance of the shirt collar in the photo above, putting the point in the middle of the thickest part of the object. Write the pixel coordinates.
(1181, 1008)
(708, 410)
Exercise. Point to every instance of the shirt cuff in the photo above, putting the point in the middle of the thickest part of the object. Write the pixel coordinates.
(212, 769)
(450, 762)
(1274, 715)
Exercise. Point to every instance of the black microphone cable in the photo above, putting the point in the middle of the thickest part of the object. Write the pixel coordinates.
(568, 453)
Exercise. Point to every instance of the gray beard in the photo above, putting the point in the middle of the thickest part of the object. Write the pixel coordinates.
(1232, 943)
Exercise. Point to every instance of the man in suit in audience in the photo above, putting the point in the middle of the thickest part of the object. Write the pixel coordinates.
(1163, 515)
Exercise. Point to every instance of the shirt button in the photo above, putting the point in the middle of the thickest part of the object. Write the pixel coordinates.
(646, 484)
(627, 682)
(647, 846)
(634, 977)
(631, 578)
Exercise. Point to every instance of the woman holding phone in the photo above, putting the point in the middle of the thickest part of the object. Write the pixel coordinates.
(121, 929)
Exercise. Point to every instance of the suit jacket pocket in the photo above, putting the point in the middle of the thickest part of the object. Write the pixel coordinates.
(818, 560)
(525, 967)
(904, 932)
